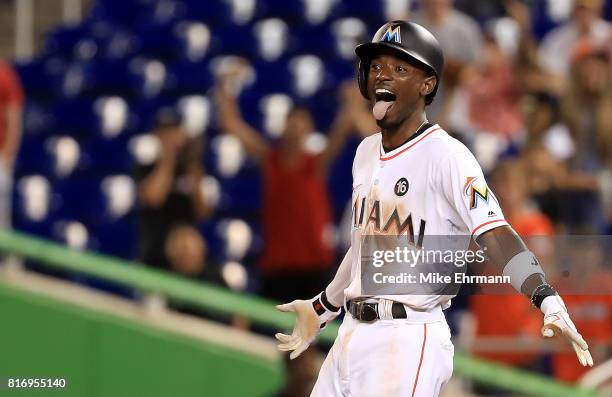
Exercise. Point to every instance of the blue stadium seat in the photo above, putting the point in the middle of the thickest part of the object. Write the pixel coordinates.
(81, 199)
(34, 206)
(340, 70)
(103, 156)
(212, 12)
(120, 44)
(34, 157)
(271, 77)
(372, 12)
(42, 77)
(63, 40)
(37, 118)
(75, 117)
(318, 40)
(234, 40)
(186, 77)
(157, 41)
(290, 11)
(118, 238)
(123, 13)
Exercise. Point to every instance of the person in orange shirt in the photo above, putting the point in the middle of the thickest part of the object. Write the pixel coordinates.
(520, 322)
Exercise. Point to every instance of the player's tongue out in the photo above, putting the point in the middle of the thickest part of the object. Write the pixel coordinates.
(380, 109)
(384, 100)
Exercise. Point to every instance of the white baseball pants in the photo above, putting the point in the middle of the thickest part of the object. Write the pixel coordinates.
(410, 357)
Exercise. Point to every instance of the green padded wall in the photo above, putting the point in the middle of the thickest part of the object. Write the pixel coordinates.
(103, 355)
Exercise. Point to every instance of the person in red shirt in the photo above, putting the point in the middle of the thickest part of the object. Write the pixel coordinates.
(11, 107)
(298, 251)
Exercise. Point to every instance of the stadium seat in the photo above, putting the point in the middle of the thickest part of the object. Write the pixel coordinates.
(34, 157)
(63, 40)
(42, 77)
(158, 41)
(186, 77)
(102, 156)
(123, 13)
(235, 40)
(290, 11)
(67, 155)
(211, 12)
(273, 39)
(33, 205)
(371, 12)
(117, 238)
(80, 199)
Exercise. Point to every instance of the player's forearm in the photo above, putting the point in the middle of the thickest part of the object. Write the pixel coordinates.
(337, 137)
(503, 246)
(154, 189)
(231, 121)
(334, 292)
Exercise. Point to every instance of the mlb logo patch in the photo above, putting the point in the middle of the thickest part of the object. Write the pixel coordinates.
(392, 34)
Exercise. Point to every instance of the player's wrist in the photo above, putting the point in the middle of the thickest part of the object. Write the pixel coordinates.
(552, 304)
(324, 309)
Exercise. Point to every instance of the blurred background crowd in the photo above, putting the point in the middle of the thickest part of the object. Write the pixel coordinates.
(214, 139)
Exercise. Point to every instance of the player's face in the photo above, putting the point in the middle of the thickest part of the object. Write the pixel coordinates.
(396, 81)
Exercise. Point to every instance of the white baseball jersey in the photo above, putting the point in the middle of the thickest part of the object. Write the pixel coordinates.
(430, 185)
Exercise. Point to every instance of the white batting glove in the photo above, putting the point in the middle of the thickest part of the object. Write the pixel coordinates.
(558, 322)
(312, 316)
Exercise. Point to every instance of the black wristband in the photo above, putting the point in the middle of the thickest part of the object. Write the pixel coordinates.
(540, 293)
(327, 303)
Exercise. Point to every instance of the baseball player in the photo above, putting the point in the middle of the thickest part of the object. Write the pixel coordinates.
(411, 178)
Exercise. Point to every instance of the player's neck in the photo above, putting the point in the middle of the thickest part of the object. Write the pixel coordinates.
(395, 137)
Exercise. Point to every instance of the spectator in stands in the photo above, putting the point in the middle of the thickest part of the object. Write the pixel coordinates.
(461, 41)
(587, 106)
(557, 188)
(520, 323)
(11, 107)
(543, 125)
(169, 194)
(547, 146)
(186, 252)
(298, 252)
(586, 22)
(493, 93)
(586, 110)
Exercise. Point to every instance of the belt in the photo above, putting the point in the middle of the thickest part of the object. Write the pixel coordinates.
(368, 311)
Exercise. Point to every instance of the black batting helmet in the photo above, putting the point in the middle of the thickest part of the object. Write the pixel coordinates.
(410, 40)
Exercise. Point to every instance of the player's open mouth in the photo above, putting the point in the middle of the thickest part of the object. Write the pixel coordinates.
(384, 100)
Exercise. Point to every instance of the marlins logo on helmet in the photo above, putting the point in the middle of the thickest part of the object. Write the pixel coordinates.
(393, 33)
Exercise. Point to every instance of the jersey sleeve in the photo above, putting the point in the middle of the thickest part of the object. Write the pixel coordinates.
(467, 192)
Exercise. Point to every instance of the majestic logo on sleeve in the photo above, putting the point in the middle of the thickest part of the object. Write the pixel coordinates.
(476, 189)
(392, 34)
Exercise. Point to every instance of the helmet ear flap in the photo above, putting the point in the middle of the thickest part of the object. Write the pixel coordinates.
(362, 78)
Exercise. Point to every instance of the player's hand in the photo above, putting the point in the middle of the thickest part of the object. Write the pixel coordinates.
(558, 322)
(308, 325)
